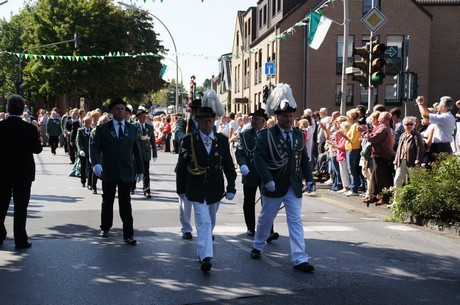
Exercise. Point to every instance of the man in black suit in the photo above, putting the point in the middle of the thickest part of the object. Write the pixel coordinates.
(20, 140)
(82, 143)
(117, 160)
(204, 158)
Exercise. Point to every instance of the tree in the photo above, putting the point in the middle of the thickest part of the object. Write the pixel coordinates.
(103, 28)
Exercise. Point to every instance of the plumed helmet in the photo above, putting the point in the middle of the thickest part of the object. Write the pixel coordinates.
(280, 100)
(211, 100)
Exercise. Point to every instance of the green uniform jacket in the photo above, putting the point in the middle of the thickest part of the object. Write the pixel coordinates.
(82, 141)
(274, 162)
(201, 176)
(116, 157)
(53, 127)
(245, 156)
(146, 140)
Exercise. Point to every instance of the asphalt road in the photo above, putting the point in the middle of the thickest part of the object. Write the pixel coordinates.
(359, 257)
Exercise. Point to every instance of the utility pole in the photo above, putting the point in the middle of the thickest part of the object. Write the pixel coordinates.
(344, 85)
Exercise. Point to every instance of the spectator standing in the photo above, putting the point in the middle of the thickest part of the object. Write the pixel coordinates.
(444, 128)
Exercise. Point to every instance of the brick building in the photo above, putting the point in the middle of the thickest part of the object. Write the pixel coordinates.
(315, 75)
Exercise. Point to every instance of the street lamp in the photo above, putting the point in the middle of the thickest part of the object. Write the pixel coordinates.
(133, 7)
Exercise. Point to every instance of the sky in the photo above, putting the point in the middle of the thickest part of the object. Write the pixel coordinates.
(202, 30)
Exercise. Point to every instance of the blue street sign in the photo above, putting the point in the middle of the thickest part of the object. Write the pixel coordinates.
(270, 68)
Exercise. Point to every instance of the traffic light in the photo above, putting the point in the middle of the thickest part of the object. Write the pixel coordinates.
(377, 63)
(76, 40)
(266, 94)
(399, 86)
(362, 75)
(412, 86)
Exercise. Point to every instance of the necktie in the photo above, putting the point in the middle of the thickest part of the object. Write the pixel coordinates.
(120, 131)
(87, 131)
(288, 140)
(143, 129)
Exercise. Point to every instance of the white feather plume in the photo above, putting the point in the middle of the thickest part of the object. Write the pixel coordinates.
(280, 98)
(210, 99)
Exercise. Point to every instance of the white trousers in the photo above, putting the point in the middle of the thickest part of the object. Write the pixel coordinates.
(185, 214)
(293, 207)
(344, 175)
(205, 221)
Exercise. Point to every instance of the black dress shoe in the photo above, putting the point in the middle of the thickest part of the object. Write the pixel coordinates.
(130, 241)
(256, 254)
(273, 237)
(83, 185)
(250, 233)
(104, 234)
(187, 235)
(304, 267)
(206, 265)
(147, 196)
(89, 187)
(132, 192)
(94, 191)
(25, 245)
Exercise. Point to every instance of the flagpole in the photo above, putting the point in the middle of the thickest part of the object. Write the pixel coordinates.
(343, 95)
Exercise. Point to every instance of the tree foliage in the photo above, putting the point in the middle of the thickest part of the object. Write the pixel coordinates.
(103, 27)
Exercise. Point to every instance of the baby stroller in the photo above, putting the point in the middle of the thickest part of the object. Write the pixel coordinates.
(321, 170)
(160, 142)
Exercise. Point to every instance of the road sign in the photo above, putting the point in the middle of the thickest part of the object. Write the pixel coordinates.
(391, 52)
(374, 19)
(270, 68)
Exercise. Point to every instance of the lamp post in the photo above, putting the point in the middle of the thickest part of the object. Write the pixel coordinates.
(174, 44)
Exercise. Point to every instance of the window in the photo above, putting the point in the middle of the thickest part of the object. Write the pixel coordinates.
(260, 18)
(279, 5)
(265, 15)
(273, 8)
(364, 95)
(351, 40)
(394, 55)
(367, 5)
(390, 98)
(349, 95)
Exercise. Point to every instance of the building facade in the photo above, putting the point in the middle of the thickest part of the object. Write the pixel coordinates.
(270, 33)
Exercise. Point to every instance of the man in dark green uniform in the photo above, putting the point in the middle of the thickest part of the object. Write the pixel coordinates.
(146, 139)
(282, 162)
(184, 127)
(204, 158)
(250, 177)
(113, 149)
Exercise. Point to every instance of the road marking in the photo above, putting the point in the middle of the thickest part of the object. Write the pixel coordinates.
(328, 229)
(401, 228)
(370, 218)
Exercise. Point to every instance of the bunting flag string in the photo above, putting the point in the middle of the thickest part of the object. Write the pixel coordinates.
(81, 57)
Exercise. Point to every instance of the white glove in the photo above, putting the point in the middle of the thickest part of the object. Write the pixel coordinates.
(270, 186)
(230, 196)
(97, 170)
(139, 177)
(82, 153)
(154, 159)
(244, 170)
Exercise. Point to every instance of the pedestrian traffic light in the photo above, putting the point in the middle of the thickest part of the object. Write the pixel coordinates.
(377, 63)
(399, 86)
(362, 75)
(76, 40)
